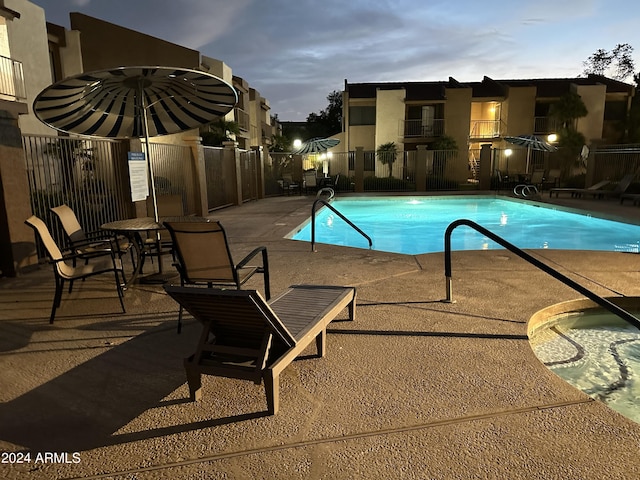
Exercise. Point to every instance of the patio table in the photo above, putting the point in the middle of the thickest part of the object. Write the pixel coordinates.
(134, 228)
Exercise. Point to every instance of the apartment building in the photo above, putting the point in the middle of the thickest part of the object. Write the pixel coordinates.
(476, 113)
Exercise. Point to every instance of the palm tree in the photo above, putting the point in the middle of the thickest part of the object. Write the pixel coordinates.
(214, 133)
(387, 154)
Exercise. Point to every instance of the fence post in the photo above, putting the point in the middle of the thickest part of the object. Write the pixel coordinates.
(421, 168)
(484, 177)
(200, 182)
(359, 170)
(259, 170)
(231, 154)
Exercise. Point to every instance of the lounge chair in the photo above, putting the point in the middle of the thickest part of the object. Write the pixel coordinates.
(88, 245)
(247, 338)
(64, 271)
(634, 197)
(620, 188)
(203, 257)
(577, 192)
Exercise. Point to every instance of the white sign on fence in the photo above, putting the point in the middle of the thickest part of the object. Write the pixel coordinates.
(138, 176)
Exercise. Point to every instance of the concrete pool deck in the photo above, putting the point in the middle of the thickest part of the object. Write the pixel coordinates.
(414, 388)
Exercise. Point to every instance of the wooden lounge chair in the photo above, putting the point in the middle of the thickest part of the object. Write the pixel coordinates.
(247, 338)
(64, 271)
(203, 257)
(577, 192)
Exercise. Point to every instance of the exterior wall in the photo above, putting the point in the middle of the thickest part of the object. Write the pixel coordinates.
(389, 112)
(71, 55)
(105, 45)
(27, 39)
(594, 97)
(457, 120)
(518, 110)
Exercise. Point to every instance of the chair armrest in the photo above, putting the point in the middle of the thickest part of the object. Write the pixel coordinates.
(253, 253)
(264, 269)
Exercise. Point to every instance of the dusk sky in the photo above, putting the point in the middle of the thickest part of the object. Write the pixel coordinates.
(296, 52)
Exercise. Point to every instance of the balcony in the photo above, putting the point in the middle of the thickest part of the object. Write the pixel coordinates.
(11, 80)
(485, 129)
(242, 119)
(420, 129)
(545, 125)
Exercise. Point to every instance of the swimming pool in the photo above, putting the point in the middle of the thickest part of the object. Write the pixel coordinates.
(595, 351)
(413, 225)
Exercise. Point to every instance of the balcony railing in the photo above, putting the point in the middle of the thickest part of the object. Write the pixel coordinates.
(546, 125)
(485, 129)
(242, 119)
(11, 80)
(420, 129)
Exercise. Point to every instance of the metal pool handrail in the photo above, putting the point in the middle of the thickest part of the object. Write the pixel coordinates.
(612, 307)
(313, 223)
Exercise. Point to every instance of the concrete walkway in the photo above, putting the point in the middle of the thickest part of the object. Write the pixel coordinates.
(415, 388)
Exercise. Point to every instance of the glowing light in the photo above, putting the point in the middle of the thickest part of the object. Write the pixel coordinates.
(552, 138)
(508, 152)
(297, 143)
(503, 219)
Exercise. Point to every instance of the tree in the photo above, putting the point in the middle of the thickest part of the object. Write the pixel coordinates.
(617, 64)
(214, 133)
(568, 109)
(329, 121)
(387, 154)
(634, 114)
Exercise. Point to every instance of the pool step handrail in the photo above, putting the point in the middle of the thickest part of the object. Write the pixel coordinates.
(328, 190)
(603, 302)
(524, 190)
(349, 222)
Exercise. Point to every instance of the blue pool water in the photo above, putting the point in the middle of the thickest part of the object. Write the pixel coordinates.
(414, 225)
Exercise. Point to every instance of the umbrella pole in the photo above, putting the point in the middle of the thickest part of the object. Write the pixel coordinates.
(528, 155)
(145, 122)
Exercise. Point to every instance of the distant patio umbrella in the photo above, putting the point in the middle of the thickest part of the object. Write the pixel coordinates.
(130, 102)
(316, 145)
(532, 143)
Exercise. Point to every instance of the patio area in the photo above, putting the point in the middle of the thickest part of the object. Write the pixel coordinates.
(413, 388)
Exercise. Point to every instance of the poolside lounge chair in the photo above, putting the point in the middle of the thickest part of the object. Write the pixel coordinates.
(577, 192)
(634, 197)
(203, 257)
(620, 188)
(247, 338)
(64, 271)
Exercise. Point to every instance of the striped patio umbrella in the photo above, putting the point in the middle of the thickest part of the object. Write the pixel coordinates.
(532, 143)
(135, 102)
(316, 145)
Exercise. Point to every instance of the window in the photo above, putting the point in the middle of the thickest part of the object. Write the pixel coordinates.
(362, 115)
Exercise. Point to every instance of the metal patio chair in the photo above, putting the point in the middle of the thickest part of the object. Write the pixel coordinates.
(203, 257)
(65, 271)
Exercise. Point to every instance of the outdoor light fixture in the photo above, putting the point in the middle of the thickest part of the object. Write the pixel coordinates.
(508, 152)
(552, 137)
(297, 143)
